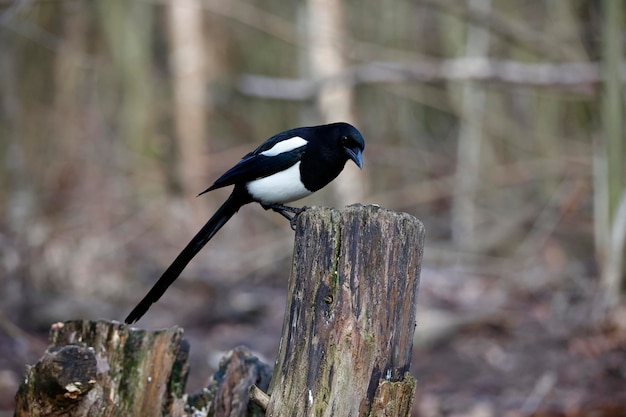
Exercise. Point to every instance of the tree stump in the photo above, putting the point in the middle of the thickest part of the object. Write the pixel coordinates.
(349, 323)
(99, 368)
(102, 369)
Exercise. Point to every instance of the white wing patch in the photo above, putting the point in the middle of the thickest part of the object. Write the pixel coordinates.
(285, 146)
(282, 187)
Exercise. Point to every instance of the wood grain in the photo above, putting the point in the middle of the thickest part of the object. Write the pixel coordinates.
(350, 316)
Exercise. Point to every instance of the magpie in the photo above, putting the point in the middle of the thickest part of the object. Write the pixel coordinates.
(286, 167)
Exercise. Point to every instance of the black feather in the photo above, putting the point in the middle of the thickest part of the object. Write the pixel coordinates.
(237, 199)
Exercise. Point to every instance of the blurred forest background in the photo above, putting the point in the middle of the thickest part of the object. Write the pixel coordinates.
(498, 123)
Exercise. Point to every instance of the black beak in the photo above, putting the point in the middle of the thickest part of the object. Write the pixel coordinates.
(356, 156)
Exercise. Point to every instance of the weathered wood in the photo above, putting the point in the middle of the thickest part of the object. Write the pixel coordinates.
(100, 368)
(350, 317)
(227, 395)
(259, 397)
(60, 383)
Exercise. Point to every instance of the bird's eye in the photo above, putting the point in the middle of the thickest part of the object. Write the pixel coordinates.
(345, 140)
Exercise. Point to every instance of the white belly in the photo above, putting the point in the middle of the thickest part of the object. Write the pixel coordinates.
(279, 188)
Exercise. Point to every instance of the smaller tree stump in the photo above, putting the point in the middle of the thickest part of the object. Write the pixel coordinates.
(102, 369)
(99, 368)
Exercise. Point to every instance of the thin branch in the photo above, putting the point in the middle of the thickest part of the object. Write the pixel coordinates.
(577, 76)
(514, 30)
(498, 176)
(259, 397)
(546, 223)
(10, 20)
(542, 388)
(12, 10)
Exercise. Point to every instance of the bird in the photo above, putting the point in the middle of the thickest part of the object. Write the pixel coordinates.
(286, 167)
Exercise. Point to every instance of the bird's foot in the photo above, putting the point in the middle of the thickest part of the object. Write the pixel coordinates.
(294, 218)
(285, 212)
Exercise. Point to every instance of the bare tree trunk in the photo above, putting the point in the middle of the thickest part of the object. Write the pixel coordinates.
(326, 37)
(609, 157)
(608, 161)
(613, 268)
(350, 317)
(128, 30)
(187, 62)
(473, 98)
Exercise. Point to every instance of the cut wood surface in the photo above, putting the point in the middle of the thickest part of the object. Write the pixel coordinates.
(350, 318)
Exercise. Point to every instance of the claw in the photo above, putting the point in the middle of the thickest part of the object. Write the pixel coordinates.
(294, 220)
(285, 210)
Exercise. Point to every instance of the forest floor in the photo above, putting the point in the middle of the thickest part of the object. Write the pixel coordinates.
(481, 349)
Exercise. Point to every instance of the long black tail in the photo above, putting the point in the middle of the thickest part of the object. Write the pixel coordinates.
(215, 223)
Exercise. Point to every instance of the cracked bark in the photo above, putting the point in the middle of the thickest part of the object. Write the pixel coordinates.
(350, 316)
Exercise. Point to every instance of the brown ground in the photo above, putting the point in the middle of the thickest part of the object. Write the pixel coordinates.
(482, 349)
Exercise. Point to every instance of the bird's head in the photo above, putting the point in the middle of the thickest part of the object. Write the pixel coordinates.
(351, 142)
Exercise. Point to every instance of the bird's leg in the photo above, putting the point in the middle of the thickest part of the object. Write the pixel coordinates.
(285, 210)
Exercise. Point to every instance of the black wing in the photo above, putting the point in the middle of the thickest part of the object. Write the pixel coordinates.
(255, 165)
